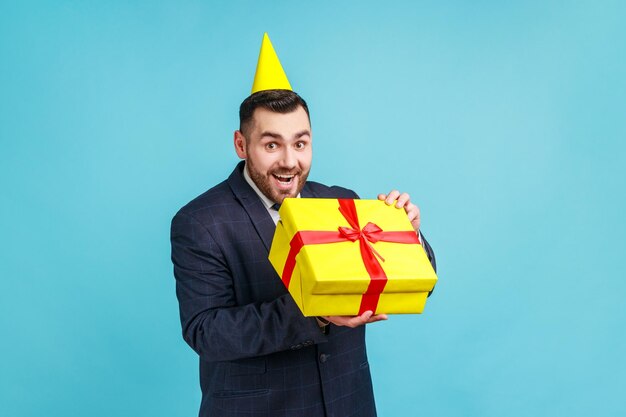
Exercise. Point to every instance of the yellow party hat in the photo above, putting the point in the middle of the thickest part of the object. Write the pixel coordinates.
(269, 73)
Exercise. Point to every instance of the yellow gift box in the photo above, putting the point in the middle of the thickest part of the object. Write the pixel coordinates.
(344, 257)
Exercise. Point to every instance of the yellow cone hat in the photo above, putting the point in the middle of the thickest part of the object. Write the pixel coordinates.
(269, 73)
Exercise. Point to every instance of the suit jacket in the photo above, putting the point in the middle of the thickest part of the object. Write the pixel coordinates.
(259, 356)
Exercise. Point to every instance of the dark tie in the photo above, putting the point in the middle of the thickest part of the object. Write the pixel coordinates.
(276, 206)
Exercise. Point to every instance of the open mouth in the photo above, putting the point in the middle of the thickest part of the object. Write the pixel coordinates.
(284, 179)
(285, 182)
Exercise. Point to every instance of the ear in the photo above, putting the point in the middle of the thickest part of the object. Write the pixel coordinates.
(240, 144)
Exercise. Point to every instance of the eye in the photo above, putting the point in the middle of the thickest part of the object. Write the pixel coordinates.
(271, 146)
(300, 145)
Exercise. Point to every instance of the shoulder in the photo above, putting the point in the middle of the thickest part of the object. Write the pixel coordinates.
(216, 202)
(324, 191)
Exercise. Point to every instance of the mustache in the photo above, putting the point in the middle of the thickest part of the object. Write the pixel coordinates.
(283, 173)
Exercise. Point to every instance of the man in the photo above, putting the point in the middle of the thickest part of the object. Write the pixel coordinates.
(259, 356)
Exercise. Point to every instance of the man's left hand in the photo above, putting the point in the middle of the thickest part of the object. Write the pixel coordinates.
(403, 200)
(356, 321)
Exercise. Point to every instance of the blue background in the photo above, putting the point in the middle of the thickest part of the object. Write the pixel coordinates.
(503, 120)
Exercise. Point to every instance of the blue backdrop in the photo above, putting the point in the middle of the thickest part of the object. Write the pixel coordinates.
(503, 120)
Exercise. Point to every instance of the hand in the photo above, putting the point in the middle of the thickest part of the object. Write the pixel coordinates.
(356, 321)
(403, 201)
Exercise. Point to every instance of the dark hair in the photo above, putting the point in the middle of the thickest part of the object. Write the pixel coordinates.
(279, 101)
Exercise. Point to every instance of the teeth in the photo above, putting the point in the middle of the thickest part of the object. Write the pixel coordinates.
(284, 177)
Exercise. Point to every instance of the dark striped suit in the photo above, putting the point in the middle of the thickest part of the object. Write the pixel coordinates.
(258, 355)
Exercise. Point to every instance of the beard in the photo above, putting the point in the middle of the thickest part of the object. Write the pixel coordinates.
(264, 181)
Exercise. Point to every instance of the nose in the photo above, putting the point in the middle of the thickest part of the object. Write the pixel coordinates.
(288, 159)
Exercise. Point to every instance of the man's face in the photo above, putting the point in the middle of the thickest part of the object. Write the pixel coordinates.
(278, 152)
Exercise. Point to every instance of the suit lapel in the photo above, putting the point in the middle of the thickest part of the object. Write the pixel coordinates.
(306, 192)
(252, 204)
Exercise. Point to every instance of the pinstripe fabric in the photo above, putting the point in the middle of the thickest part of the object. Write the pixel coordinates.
(258, 355)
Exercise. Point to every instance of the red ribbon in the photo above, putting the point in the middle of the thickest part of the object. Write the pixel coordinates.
(371, 233)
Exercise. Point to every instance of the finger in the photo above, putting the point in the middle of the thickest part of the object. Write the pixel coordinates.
(412, 211)
(377, 317)
(403, 199)
(391, 197)
(361, 320)
(382, 196)
(350, 321)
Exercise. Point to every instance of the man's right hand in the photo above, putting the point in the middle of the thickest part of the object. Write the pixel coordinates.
(356, 321)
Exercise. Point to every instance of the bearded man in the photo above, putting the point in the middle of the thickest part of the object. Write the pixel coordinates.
(259, 356)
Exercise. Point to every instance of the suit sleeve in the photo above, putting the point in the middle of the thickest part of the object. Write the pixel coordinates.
(430, 254)
(213, 324)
